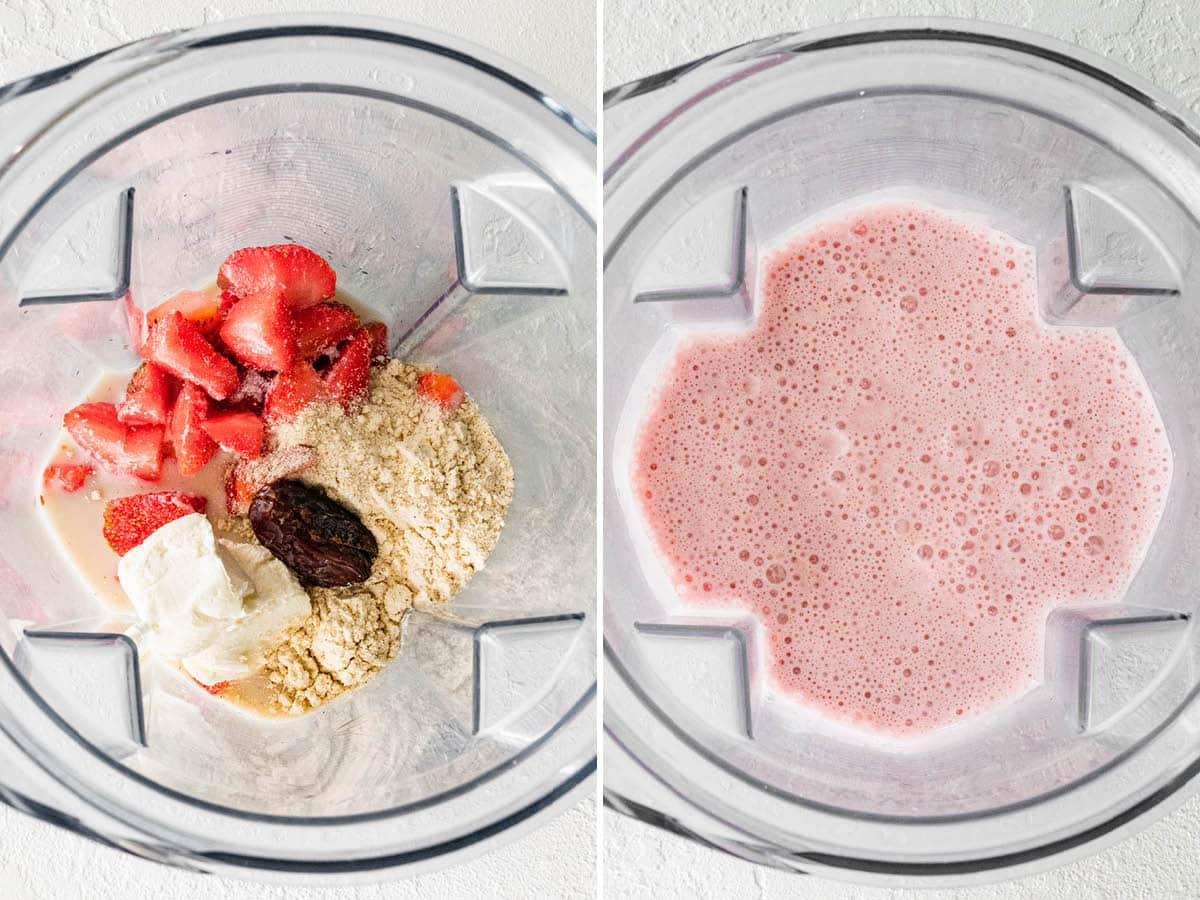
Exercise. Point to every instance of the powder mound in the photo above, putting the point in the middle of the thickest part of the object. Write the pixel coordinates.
(433, 487)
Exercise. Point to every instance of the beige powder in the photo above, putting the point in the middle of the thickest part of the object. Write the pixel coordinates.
(433, 487)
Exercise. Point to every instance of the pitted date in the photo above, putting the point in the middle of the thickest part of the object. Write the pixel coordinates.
(324, 543)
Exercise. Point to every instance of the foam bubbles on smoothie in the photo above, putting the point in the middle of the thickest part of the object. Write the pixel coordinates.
(900, 467)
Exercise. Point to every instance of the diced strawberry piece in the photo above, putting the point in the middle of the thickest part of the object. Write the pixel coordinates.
(247, 477)
(300, 276)
(122, 449)
(323, 326)
(130, 520)
(240, 432)
(441, 389)
(379, 339)
(228, 298)
(144, 451)
(215, 688)
(191, 443)
(252, 392)
(147, 397)
(201, 308)
(293, 390)
(67, 476)
(96, 428)
(237, 490)
(178, 347)
(259, 332)
(347, 378)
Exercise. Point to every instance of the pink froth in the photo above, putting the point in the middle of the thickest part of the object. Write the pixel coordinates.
(900, 468)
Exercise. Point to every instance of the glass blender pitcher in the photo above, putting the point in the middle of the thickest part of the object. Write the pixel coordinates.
(456, 199)
(708, 163)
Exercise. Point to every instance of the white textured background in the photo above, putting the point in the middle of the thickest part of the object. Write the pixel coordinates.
(1158, 39)
(556, 40)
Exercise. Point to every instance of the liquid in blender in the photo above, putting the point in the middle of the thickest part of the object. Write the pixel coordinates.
(900, 468)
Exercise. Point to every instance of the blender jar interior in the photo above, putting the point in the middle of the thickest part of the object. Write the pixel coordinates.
(452, 198)
(712, 163)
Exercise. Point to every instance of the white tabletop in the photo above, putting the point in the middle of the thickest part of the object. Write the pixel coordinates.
(552, 38)
(1158, 39)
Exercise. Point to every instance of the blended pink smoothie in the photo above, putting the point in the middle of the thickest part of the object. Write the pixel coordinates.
(900, 468)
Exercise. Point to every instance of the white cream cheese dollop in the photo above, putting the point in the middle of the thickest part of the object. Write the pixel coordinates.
(180, 587)
(217, 605)
(277, 605)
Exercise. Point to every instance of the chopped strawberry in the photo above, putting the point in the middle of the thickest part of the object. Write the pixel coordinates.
(96, 429)
(239, 490)
(122, 449)
(240, 432)
(228, 298)
(300, 276)
(379, 339)
(441, 389)
(347, 378)
(201, 308)
(323, 326)
(130, 520)
(215, 688)
(252, 392)
(67, 476)
(191, 443)
(247, 477)
(293, 390)
(147, 397)
(143, 448)
(259, 332)
(176, 345)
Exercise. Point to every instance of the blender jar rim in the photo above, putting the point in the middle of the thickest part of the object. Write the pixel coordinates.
(891, 29)
(325, 25)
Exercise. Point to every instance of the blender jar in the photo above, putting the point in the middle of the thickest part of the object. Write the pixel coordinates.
(457, 199)
(710, 162)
